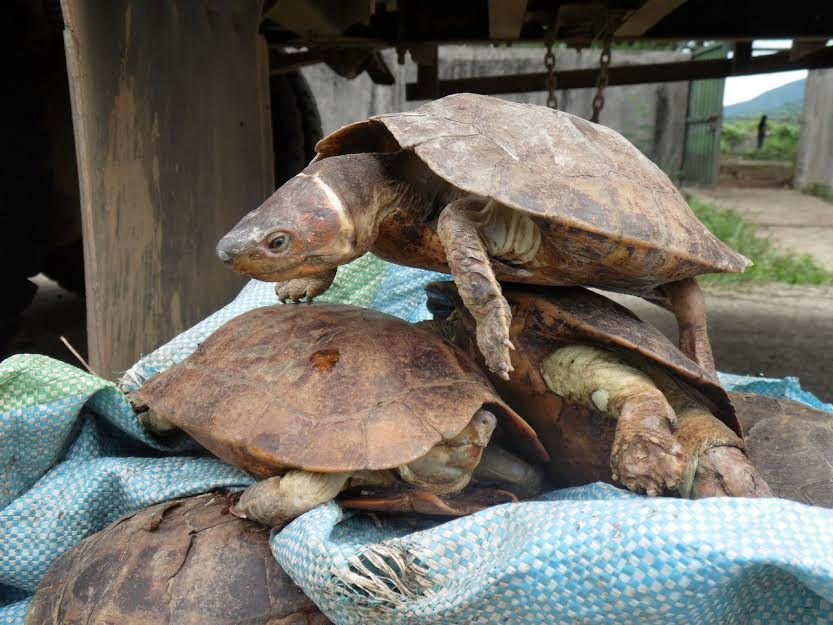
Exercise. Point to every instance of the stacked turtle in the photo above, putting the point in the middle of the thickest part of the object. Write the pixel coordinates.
(523, 378)
(320, 402)
(489, 191)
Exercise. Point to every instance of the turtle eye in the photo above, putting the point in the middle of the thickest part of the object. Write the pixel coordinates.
(278, 242)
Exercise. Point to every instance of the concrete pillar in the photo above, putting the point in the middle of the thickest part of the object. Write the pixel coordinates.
(814, 164)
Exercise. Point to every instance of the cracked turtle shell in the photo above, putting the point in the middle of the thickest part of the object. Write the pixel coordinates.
(183, 562)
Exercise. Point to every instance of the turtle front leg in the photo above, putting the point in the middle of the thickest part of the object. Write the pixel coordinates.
(277, 500)
(717, 462)
(646, 455)
(305, 288)
(470, 266)
(502, 469)
(685, 299)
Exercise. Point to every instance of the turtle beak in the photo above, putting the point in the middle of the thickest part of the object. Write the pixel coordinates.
(231, 246)
(443, 299)
(223, 254)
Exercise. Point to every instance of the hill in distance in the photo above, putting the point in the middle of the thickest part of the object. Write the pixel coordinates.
(782, 102)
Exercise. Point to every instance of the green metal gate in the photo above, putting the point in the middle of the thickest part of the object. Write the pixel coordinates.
(701, 149)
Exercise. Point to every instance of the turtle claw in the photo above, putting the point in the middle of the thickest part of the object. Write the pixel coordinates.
(304, 289)
(646, 455)
(235, 511)
(493, 340)
(502, 370)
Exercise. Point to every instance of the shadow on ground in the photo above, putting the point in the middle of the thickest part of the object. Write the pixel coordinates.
(773, 330)
(54, 312)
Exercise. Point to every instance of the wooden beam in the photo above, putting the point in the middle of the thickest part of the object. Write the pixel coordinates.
(800, 49)
(172, 131)
(427, 86)
(646, 17)
(506, 17)
(282, 63)
(319, 18)
(629, 74)
(742, 55)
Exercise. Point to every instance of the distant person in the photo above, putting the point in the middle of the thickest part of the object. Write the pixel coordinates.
(761, 131)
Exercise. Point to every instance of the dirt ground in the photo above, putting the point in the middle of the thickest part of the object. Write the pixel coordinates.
(773, 330)
(793, 219)
(54, 312)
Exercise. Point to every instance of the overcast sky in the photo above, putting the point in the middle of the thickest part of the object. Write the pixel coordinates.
(741, 88)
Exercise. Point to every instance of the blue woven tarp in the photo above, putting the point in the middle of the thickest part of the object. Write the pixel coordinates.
(73, 458)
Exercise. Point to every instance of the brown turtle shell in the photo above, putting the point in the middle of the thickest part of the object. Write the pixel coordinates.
(574, 314)
(609, 217)
(791, 444)
(544, 317)
(579, 439)
(184, 562)
(327, 388)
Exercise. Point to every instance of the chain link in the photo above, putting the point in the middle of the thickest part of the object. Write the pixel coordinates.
(549, 63)
(601, 81)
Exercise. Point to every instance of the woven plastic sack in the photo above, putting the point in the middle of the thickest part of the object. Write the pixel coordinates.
(73, 458)
(788, 388)
(594, 555)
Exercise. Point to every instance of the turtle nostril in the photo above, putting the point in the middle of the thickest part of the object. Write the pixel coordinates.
(223, 252)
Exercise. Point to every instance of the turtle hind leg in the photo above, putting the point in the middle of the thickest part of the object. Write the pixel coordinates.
(277, 500)
(717, 462)
(646, 455)
(725, 471)
(470, 266)
(685, 299)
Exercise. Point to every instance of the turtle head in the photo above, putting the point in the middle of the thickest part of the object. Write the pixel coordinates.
(304, 228)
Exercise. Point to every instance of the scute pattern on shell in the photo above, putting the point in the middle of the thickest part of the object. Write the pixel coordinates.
(597, 198)
(792, 445)
(582, 316)
(183, 562)
(322, 387)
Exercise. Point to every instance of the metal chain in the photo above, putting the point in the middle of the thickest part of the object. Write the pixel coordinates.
(601, 81)
(549, 63)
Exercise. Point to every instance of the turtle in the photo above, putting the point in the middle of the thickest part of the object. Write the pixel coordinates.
(792, 445)
(581, 359)
(338, 398)
(181, 562)
(486, 190)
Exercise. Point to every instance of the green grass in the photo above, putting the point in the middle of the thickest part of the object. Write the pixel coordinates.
(771, 264)
(781, 142)
(820, 191)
